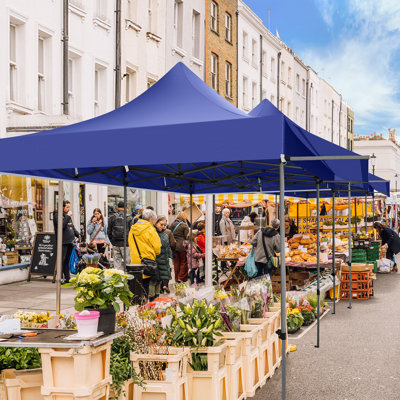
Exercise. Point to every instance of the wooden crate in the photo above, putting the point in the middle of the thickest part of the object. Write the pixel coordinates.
(22, 384)
(12, 257)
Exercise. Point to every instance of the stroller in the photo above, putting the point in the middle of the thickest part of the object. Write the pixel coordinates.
(77, 264)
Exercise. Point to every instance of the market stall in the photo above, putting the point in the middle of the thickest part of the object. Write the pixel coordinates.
(287, 158)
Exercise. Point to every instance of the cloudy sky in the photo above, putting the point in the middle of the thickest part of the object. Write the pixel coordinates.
(353, 44)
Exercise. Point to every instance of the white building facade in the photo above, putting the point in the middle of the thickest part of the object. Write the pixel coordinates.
(257, 60)
(32, 74)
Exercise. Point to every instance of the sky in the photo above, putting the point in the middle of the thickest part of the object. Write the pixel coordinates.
(353, 44)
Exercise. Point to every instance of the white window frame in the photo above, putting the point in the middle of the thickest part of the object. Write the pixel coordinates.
(228, 27)
(214, 71)
(214, 16)
(150, 15)
(253, 94)
(245, 38)
(254, 53)
(273, 67)
(196, 34)
(96, 92)
(101, 10)
(228, 79)
(289, 76)
(244, 92)
(41, 74)
(13, 63)
(298, 83)
(303, 90)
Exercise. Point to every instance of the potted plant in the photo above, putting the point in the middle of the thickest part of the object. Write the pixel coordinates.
(308, 315)
(294, 320)
(100, 289)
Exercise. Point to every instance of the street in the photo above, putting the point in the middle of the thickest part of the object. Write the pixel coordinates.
(359, 354)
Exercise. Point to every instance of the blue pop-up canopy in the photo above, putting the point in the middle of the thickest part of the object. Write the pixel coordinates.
(179, 136)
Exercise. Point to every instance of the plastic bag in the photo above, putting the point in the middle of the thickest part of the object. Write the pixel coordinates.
(384, 265)
(250, 266)
(73, 261)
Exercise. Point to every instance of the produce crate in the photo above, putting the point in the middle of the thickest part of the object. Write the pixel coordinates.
(355, 277)
(235, 369)
(83, 373)
(357, 295)
(12, 257)
(213, 383)
(127, 391)
(363, 267)
(176, 387)
(357, 286)
(22, 384)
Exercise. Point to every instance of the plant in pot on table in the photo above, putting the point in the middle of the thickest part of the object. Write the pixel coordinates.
(100, 290)
(294, 320)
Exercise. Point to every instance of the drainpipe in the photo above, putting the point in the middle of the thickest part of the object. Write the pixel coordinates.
(340, 119)
(261, 67)
(307, 105)
(333, 104)
(278, 73)
(237, 58)
(65, 57)
(117, 53)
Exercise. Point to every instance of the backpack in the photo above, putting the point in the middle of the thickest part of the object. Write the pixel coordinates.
(117, 230)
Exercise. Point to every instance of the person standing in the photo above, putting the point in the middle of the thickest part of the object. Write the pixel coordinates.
(172, 245)
(266, 243)
(227, 228)
(69, 233)
(115, 232)
(137, 213)
(163, 266)
(147, 242)
(248, 220)
(194, 258)
(97, 230)
(201, 243)
(392, 239)
(217, 219)
(180, 230)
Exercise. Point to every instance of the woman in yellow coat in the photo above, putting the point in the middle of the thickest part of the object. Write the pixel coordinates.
(147, 240)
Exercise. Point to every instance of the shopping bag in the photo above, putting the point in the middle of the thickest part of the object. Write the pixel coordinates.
(250, 266)
(385, 265)
(73, 261)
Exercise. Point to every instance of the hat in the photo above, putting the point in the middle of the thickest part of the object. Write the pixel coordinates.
(120, 204)
(138, 207)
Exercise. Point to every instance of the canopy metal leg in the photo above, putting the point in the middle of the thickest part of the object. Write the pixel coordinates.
(365, 212)
(209, 237)
(283, 274)
(191, 232)
(318, 268)
(349, 241)
(60, 215)
(373, 213)
(333, 252)
(125, 221)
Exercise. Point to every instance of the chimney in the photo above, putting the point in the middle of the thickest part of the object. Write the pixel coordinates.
(392, 134)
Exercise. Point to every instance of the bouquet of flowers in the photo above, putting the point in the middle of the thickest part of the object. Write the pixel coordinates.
(308, 314)
(294, 320)
(32, 319)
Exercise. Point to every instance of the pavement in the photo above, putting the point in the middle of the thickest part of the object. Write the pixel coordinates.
(37, 295)
(358, 357)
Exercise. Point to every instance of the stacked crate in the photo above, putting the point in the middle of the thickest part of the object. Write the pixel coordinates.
(358, 255)
(373, 255)
(362, 286)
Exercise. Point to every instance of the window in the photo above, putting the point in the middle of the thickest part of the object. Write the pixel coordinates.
(304, 87)
(228, 79)
(264, 94)
(245, 91)
(245, 46)
(41, 80)
(228, 27)
(297, 113)
(316, 98)
(101, 10)
(283, 71)
(196, 34)
(253, 94)
(272, 99)
(312, 123)
(264, 62)
(132, 10)
(297, 83)
(254, 53)
(13, 63)
(289, 108)
(178, 22)
(289, 76)
(214, 16)
(130, 85)
(99, 89)
(77, 3)
(272, 67)
(214, 71)
(302, 117)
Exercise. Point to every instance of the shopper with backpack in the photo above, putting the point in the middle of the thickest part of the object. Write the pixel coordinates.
(115, 233)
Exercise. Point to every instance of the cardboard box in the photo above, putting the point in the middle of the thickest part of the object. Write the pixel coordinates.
(358, 267)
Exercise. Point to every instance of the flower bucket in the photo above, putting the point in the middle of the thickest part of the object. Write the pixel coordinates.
(106, 320)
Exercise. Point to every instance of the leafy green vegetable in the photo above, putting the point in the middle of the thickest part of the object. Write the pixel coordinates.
(19, 358)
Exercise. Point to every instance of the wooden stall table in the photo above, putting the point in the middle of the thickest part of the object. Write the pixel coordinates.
(233, 264)
(70, 369)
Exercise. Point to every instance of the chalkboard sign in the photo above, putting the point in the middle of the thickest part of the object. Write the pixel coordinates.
(44, 255)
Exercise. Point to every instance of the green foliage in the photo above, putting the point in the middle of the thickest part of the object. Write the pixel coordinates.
(294, 319)
(121, 368)
(99, 288)
(19, 358)
(195, 325)
(9, 239)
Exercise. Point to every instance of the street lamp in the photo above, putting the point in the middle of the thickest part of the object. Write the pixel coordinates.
(373, 161)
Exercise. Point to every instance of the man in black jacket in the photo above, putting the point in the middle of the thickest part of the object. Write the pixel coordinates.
(69, 233)
(115, 232)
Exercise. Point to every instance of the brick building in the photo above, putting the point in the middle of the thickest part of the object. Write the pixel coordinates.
(221, 48)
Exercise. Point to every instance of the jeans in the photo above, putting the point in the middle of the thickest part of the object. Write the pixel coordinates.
(180, 266)
(66, 255)
(263, 269)
(118, 254)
